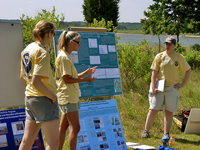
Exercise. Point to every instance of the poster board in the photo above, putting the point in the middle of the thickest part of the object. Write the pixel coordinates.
(101, 127)
(193, 123)
(97, 49)
(12, 129)
(11, 45)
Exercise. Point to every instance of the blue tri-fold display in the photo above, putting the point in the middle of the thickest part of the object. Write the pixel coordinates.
(97, 49)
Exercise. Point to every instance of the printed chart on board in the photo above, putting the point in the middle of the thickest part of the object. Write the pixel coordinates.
(97, 49)
(101, 128)
(12, 123)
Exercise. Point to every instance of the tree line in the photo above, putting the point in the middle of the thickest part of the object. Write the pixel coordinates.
(120, 26)
(66, 24)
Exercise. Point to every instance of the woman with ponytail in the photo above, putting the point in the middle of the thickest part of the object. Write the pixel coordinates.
(40, 94)
(67, 80)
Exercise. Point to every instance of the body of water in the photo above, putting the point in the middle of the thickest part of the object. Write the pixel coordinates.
(153, 39)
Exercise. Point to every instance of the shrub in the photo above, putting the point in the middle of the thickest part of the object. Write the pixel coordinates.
(134, 63)
(179, 48)
(193, 58)
(103, 24)
(196, 47)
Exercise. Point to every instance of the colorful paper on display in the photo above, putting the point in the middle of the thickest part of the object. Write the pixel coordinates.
(12, 129)
(101, 127)
(97, 49)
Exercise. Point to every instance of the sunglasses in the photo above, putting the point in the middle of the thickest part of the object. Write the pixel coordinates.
(53, 32)
(78, 42)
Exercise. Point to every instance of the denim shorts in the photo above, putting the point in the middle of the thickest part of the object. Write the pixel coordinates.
(71, 107)
(41, 109)
(168, 99)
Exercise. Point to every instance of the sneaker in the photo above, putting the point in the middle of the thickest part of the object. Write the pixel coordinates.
(166, 135)
(145, 134)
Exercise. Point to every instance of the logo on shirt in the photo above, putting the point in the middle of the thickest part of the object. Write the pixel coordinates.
(26, 63)
(176, 63)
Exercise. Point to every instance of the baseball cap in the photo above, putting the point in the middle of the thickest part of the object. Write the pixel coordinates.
(170, 40)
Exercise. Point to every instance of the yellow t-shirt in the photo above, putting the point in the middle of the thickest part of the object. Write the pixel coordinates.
(169, 66)
(35, 60)
(66, 93)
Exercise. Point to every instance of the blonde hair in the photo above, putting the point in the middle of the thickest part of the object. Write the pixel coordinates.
(65, 38)
(41, 28)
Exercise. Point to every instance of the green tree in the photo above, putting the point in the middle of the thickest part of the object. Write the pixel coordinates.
(153, 24)
(173, 16)
(28, 24)
(193, 19)
(98, 9)
(182, 16)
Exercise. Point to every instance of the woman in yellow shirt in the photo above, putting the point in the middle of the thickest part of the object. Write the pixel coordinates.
(40, 95)
(166, 65)
(67, 80)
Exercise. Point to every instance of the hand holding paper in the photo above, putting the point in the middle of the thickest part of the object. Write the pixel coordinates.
(160, 84)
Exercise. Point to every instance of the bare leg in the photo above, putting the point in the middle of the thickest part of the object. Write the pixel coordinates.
(150, 118)
(168, 121)
(64, 124)
(51, 132)
(73, 120)
(30, 133)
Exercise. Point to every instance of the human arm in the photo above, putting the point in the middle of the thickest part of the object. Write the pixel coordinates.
(153, 81)
(88, 71)
(66, 70)
(22, 78)
(36, 81)
(69, 80)
(185, 80)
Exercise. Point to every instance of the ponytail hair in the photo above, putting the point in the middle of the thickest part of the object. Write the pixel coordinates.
(65, 38)
(41, 28)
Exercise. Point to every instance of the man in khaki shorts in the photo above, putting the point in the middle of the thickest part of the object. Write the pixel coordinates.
(166, 65)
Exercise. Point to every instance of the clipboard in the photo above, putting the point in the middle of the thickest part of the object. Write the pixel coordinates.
(160, 85)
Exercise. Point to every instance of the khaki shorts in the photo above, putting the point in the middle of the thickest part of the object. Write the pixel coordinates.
(168, 99)
(71, 107)
(41, 109)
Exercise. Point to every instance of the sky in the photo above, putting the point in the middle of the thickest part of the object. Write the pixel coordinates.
(129, 10)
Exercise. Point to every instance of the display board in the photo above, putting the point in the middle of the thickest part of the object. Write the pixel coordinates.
(101, 127)
(97, 49)
(11, 45)
(12, 129)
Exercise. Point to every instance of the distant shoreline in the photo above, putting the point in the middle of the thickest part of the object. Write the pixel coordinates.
(192, 36)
